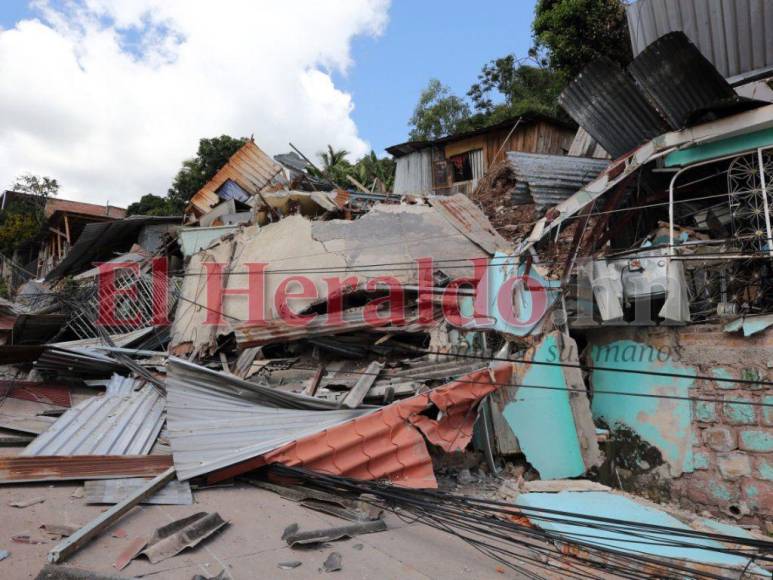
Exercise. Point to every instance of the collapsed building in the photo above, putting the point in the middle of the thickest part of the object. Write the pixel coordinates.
(579, 332)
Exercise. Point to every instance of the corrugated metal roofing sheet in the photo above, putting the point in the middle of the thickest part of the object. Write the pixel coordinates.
(215, 422)
(55, 204)
(250, 168)
(605, 102)
(681, 82)
(107, 425)
(50, 393)
(83, 362)
(64, 468)
(108, 491)
(462, 213)
(735, 35)
(547, 180)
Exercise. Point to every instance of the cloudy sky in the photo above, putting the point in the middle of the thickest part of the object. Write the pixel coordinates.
(109, 96)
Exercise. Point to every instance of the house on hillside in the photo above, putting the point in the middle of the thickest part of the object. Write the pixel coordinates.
(454, 164)
(66, 219)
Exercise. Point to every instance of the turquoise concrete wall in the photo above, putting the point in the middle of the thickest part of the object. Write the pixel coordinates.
(664, 423)
(542, 419)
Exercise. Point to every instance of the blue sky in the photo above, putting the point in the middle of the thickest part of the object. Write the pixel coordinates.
(146, 80)
(447, 40)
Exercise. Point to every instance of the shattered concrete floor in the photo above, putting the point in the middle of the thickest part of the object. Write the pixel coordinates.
(249, 547)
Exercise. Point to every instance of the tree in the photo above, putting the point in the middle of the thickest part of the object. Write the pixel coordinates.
(370, 170)
(438, 113)
(23, 219)
(211, 155)
(572, 33)
(150, 204)
(36, 185)
(521, 88)
(335, 167)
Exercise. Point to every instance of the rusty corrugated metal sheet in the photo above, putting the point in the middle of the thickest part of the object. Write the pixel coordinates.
(460, 211)
(77, 467)
(249, 167)
(389, 443)
(50, 393)
(55, 204)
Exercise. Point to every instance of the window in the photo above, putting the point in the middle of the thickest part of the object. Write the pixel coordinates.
(466, 166)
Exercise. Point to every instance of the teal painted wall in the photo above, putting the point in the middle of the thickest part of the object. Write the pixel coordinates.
(664, 423)
(542, 419)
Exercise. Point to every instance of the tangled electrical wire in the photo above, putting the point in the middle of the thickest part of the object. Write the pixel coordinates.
(517, 537)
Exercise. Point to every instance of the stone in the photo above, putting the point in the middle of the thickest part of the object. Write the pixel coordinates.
(758, 494)
(721, 492)
(706, 412)
(757, 440)
(701, 460)
(725, 378)
(739, 413)
(767, 412)
(763, 469)
(752, 374)
(719, 438)
(734, 465)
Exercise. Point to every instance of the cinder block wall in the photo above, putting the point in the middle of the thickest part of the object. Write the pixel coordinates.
(728, 467)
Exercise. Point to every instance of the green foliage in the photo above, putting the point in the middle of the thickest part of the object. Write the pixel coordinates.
(438, 113)
(36, 185)
(574, 32)
(150, 204)
(521, 88)
(212, 154)
(371, 169)
(367, 170)
(22, 221)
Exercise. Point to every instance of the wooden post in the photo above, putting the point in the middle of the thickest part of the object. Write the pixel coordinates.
(67, 229)
(75, 542)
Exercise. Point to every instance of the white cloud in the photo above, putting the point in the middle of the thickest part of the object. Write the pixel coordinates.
(109, 96)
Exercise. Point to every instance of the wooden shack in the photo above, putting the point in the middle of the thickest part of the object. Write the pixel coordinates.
(454, 164)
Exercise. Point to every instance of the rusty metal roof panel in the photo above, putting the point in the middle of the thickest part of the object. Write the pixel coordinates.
(462, 213)
(736, 36)
(122, 424)
(64, 468)
(39, 392)
(547, 180)
(213, 424)
(604, 101)
(250, 168)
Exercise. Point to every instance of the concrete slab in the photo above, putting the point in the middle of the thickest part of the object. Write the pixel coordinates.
(249, 547)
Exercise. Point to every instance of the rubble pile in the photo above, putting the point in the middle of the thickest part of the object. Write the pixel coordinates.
(365, 355)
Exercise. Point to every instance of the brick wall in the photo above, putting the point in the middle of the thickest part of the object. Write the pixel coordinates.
(732, 443)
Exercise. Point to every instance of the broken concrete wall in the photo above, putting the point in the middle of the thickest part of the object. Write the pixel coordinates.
(712, 455)
(550, 414)
(295, 245)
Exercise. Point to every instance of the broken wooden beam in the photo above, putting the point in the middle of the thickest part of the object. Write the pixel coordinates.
(358, 392)
(69, 546)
